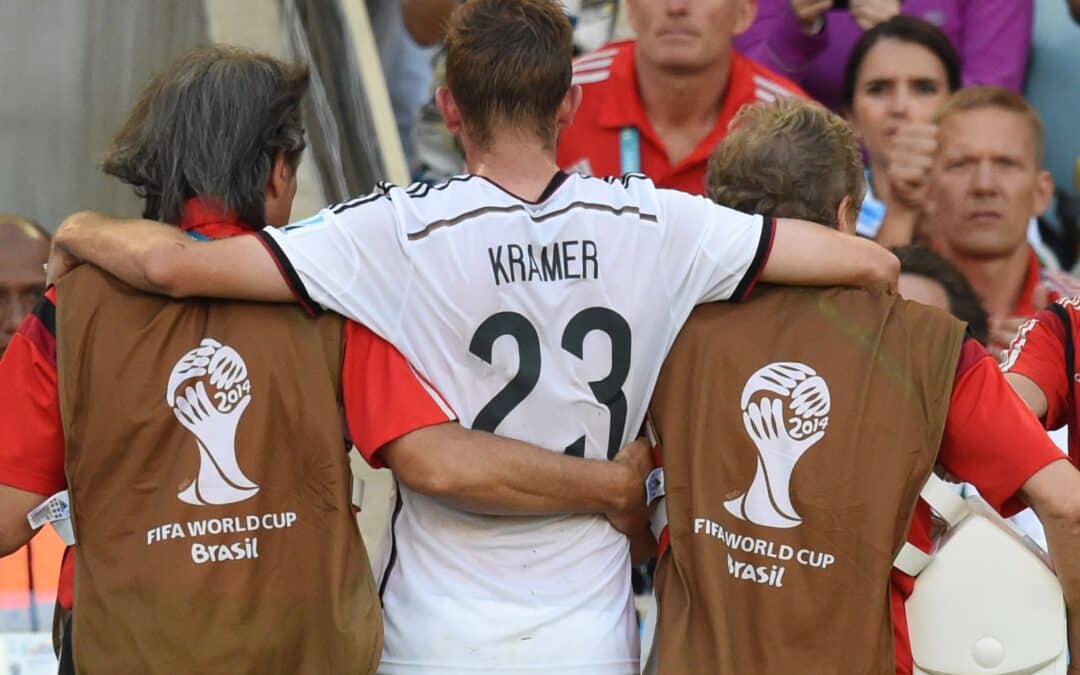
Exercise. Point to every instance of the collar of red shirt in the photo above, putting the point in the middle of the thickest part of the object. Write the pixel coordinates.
(1025, 306)
(619, 112)
(207, 218)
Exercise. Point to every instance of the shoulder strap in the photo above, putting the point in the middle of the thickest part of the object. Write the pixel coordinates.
(944, 500)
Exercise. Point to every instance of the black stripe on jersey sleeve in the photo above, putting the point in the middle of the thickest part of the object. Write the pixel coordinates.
(761, 256)
(392, 560)
(45, 311)
(288, 272)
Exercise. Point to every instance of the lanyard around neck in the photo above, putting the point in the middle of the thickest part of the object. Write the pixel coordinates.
(629, 150)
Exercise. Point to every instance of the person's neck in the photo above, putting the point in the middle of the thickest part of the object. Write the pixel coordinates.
(998, 282)
(681, 105)
(520, 164)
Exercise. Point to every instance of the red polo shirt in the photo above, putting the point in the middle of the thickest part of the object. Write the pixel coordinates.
(611, 108)
(384, 398)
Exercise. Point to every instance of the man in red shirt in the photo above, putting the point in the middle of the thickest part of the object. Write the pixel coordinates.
(28, 577)
(989, 439)
(987, 185)
(24, 248)
(394, 418)
(659, 104)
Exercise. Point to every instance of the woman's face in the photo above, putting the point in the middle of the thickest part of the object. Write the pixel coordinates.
(897, 83)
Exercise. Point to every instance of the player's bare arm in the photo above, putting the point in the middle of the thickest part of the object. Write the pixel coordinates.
(1029, 392)
(1054, 493)
(808, 254)
(483, 473)
(15, 530)
(161, 259)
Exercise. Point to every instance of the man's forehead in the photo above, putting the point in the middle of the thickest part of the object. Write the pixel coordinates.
(23, 250)
(987, 130)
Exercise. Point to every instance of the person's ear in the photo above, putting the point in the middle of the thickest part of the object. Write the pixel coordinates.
(281, 177)
(449, 109)
(1044, 192)
(846, 215)
(745, 15)
(569, 106)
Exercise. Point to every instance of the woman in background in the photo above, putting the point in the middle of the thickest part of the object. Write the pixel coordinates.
(900, 73)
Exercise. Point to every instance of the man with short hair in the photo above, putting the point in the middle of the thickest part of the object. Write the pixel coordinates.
(24, 248)
(516, 291)
(795, 473)
(239, 536)
(659, 104)
(986, 187)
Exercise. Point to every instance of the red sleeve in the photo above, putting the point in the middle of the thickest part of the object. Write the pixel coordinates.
(384, 397)
(991, 439)
(31, 433)
(1038, 353)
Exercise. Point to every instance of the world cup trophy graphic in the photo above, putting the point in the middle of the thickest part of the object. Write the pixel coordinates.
(785, 409)
(212, 416)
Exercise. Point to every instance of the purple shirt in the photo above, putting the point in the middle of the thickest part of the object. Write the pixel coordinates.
(993, 38)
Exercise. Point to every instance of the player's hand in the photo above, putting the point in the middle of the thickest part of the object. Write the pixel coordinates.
(808, 12)
(909, 160)
(634, 462)
(869, 13)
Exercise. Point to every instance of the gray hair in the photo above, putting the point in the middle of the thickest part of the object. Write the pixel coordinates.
(211, 126)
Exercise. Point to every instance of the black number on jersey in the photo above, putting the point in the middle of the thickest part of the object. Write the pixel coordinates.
(528, 374)
(607, 391)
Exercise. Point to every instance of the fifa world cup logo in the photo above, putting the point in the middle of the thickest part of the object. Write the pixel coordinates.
(212, 416)
(785, 409)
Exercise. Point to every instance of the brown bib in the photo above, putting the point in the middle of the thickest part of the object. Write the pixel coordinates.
(210, 487)
(797, 430)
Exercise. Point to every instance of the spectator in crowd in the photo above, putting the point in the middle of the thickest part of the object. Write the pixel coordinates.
(811, 40)
(1074, 9)
(406, 67)
(986, 186)
(986, 436)
(900, 73)
(928, 278)
(24, 248)
(659, 104)
(394, 418)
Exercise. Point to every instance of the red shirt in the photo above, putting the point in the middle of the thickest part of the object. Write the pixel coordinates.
(611, 107)
(384, 398)
(992, 441)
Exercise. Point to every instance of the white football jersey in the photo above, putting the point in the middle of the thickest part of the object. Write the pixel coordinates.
(544, 321)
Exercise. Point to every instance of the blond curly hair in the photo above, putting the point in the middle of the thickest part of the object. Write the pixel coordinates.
(790, 158)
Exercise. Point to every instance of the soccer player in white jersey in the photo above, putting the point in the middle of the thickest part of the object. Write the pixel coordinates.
(540, 305)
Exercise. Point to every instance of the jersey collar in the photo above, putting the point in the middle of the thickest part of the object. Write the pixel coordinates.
(1025, 306)
(206, 219)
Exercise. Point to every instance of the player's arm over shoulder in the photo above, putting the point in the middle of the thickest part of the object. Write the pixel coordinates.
(159, 258)
(781, 250)
(809, 254)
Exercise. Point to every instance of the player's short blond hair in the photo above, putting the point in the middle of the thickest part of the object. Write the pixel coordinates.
(790, 158)
(999, 98)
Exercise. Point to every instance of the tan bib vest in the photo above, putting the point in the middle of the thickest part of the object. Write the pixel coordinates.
(210, 487)
(797, 430)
